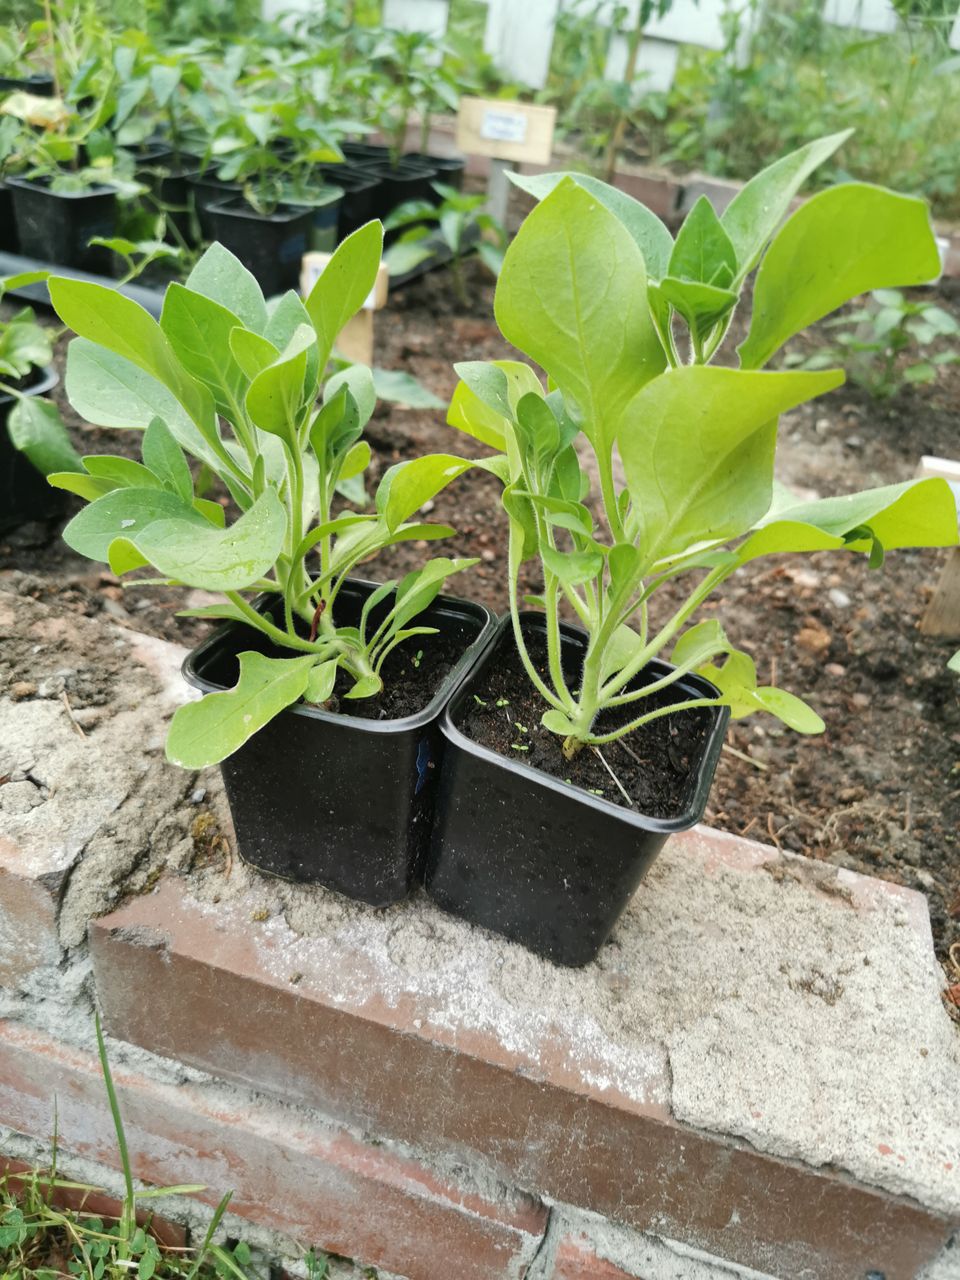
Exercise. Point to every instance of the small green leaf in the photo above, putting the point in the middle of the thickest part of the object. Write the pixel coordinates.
(163, 455)
(37, 431)
(223, 278)
(557, 723)
(572, 567)
(123, 473)
(398, 387)
(321, 681)
(275, 396)
(703, 251)
(345, 284)
(365, 687)
(252, 351)
(206, 732)
(359, 382)
(406, 486)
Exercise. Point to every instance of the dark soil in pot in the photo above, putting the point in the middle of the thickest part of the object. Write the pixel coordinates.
(54, 226)
(271, 246)
(547, 851)
(24, 492)
(343, 796)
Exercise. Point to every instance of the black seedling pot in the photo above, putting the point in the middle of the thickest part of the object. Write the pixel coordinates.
(40, 85)
(522, 853)
(204, 190)
(409, 180)
(271, 246)
(365, 151)
(57, 226)
(360, 196)
(449, 169)
(319, 798)
(24, 492)
(8, 227)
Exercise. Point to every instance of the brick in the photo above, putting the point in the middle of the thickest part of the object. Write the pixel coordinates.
(576, 1259)
(288, 1171)
(28, 918)
(170, 1234)
(476, 1048)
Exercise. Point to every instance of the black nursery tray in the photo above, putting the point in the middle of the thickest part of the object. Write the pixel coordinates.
(15, 264)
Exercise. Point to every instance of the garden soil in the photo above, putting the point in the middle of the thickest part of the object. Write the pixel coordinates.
(880, 791)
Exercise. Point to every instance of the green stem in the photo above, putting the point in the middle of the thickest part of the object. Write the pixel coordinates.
(514, 572)
(599, 739)
(289, 640)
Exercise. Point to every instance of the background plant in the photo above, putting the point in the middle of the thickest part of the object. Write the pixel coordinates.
(463, 226)
(243, 391)
(626, 322)
(886, 344)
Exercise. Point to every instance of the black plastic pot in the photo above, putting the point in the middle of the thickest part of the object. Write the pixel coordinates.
(408, 180)
(522, 853)
(24, 492)
(336, 800)
(449, 169)
(365, 151)
(56, 226)
(204, 190)
(9, 242)
(360, 196)
(41, 84)
(271, 246)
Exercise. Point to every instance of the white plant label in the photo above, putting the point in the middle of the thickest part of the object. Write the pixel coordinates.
(503, 126)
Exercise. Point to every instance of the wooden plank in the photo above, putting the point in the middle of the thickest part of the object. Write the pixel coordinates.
(515, 131)
(942, 617)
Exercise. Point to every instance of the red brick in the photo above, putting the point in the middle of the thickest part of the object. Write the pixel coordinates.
(288, 1171)
(575, 1259)
(170, 1234)
(399, 1070)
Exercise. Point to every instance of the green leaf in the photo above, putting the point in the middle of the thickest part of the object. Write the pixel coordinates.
(652, 238)
(359, 382)
(697, 447)
(736, 681)
(420, 588)
(365, 687)
(703, 251)
(572, 567)
(164, 457)
(406, 486)
(198, 329)
(207, 558)
(572, 295)
(275, 395)
(699, 644)
(37, 431)
(356, 461)
(954, 663)
(321, 681)
(123, 473)
(251, 351)
(87, 487)
(224, 279)
(109, 318)
(345, 284)
(915, 513)
(125, 513)
(208, 731)
(469, 414)
(755, 212)
(287, 317)
(402, 388)
(842, 242)
(109, 391)
(703, 306)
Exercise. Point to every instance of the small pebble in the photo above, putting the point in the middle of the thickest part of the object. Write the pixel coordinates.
(428, 506)
(835, 669)
(199, 795)
(839, 598)
(488, 555)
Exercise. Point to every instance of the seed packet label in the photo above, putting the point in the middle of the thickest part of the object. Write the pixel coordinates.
(503, 126)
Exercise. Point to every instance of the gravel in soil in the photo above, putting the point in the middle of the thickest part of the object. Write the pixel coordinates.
(652, 773)
(880, 791)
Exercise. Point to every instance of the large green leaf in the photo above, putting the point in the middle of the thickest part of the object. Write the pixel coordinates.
(211, 559)
(753, 215)
(345, 284)
(208, 731)
(840, 243)
(572, 294)
(697, 447)
(916, 513)
(198, 329)
(652, 238)
(37, 430)
(125, 513)
(114, 321)
(223, 278)
(109, 391)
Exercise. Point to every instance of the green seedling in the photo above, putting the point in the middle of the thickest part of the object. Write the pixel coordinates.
(627, 323)
(241, 389)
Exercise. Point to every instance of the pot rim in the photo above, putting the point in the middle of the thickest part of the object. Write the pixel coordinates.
(34, 184)
(283, 214)
(46, 382)
(444, 691)
(692, 813)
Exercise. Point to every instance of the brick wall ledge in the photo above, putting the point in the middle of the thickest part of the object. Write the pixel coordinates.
(758, 1068)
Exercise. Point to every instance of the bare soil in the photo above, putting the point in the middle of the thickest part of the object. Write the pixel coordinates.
(880, 791)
